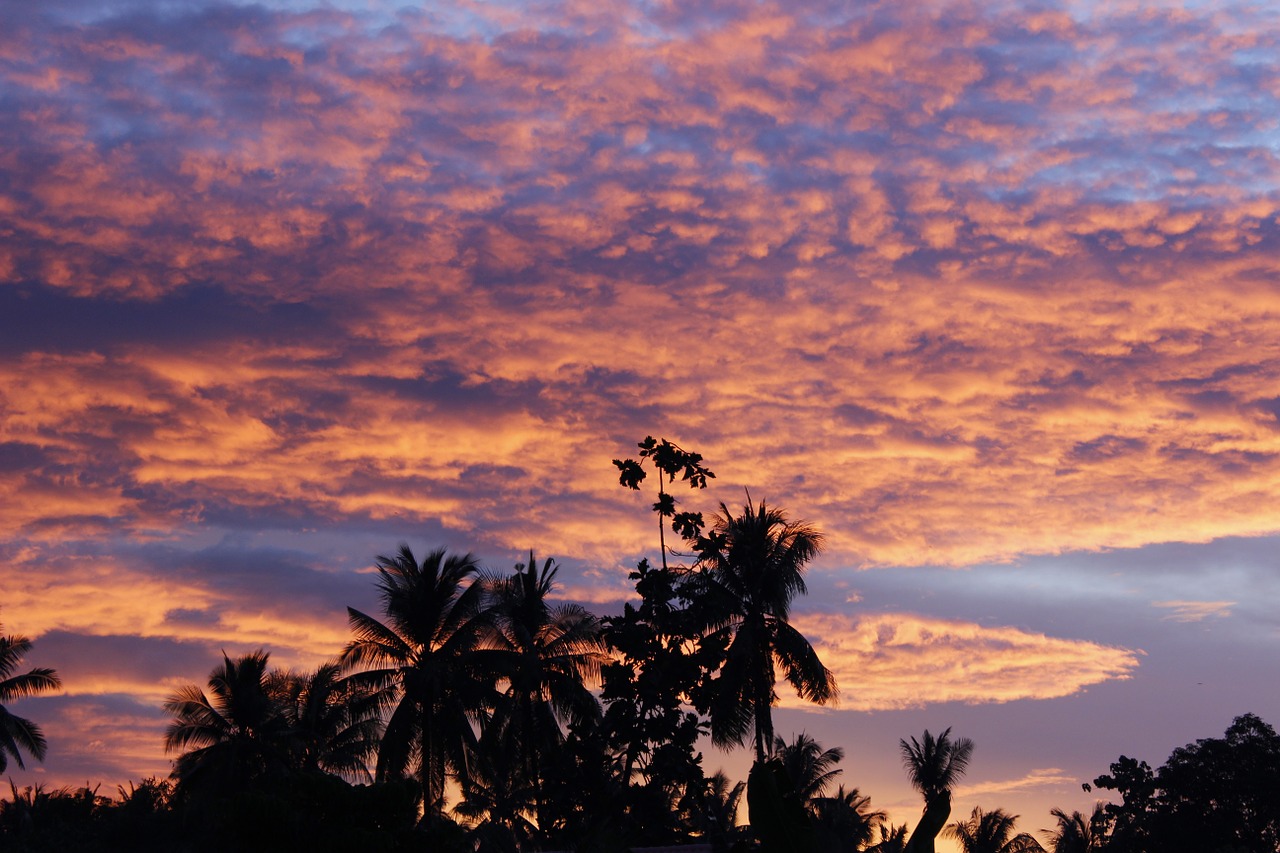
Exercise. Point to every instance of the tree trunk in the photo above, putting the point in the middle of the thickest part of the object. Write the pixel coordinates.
(936, 812)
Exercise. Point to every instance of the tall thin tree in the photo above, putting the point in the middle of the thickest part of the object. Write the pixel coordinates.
(549, 654)
(934, 765)
(427, 661)
(751, 567)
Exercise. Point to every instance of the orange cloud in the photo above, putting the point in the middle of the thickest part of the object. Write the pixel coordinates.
(951, 308)
(1196, 611)
(894, 661)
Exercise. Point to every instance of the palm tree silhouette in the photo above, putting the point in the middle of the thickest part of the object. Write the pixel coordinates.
(548, 655)
(844, 822)
(18, 733)
(717, 814)
(991, 832)
(1075, 832)
(335, 723)
(810, 767)
(234, 736)
(498, 799)
(751, 569)
(892, 839)
(934, 765)
(427, 663)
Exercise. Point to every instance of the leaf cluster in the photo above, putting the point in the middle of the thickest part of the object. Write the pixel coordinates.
(1217, 794)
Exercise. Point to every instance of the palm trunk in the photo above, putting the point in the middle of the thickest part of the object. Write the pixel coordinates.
(432, 787)
(936, 812)
(764, 704)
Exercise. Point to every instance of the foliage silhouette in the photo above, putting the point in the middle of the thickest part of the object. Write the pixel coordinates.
(648, 727)
(488, 679)
(891, 839)
(933, 766)
(991, 832)
(232, 738)
(717, 815)
(1217, 794)
(810, 767)
(18, 734)
(428, 664)
(1076, 833)
(751, 568)
(588, 803)
(844, 822)
(671, 460)
(548, 656)
(334, 723)
(779, 818)
(499, 797)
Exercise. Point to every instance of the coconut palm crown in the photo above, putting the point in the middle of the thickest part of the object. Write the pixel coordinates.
(991, 832)
(427, 660)
(811, 767)
(548, 653)
(749, 571)
(233, 736)
(934, 765)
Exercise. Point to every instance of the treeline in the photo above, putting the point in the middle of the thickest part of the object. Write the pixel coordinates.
(475, 712)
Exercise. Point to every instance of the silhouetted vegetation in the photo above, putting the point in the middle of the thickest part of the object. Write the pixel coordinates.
(18, 734)
(991, 832)
(477, 713)
(1217, 795)
(934, 765)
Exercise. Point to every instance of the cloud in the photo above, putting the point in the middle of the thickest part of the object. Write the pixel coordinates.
(1037, 778)
(1196, 611)
(957, 283)
(386, 275)
(195, 605)
(109, 738)
(897, 660)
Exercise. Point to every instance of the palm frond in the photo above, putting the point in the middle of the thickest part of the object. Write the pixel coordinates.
(811, 679)
(20, 733)
(29, 684)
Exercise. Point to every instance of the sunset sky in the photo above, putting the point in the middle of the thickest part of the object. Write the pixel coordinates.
(988, 292)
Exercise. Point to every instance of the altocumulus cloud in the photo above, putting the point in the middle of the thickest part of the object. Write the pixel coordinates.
(958, 283)
(742, 226)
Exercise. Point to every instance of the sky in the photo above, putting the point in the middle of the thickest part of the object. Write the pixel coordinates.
(985, 291)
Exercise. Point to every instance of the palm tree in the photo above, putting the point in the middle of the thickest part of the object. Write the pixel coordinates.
(810, 767)
(934, 765)
(717, 815)
(18, 733)
(427, 664)
(236, 735)
(334, 722)
(497, 800)
(991, 832)
(893, 839)
(844, 822)
(548, 655)
(751, 569)
(1075, 832)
